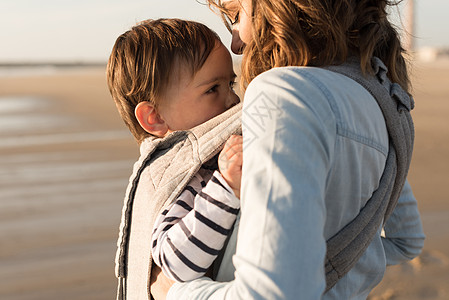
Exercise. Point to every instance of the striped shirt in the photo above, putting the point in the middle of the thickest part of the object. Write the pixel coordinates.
(190, 233)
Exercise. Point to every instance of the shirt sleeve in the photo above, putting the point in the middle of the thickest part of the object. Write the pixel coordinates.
(189, 235)
(280, 244)
(403, 236)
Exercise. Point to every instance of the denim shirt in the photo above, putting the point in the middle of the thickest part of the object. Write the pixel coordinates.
(315, 146)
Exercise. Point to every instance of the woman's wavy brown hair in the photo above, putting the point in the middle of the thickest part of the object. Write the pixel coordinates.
(319, 33)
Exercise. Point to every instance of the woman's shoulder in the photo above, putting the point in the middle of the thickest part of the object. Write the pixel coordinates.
(291, 90)
(305, 79)
(302, 73)
(330, 95)
(308, 84)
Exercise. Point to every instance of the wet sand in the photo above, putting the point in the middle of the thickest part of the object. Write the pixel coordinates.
(427, 276)
(64, 164)
(65, 158)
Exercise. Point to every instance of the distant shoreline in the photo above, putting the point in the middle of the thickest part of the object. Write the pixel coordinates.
(25, 69)
(51, 64)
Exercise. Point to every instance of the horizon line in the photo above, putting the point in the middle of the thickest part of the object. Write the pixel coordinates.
(56, 63)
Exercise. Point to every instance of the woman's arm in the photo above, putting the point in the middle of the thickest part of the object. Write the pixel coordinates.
(403, 236)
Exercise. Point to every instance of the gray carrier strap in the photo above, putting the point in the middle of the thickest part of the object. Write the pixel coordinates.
(347, 246)
(174, 160)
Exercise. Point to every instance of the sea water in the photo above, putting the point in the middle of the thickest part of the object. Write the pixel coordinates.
(19, 115)
(28, 121)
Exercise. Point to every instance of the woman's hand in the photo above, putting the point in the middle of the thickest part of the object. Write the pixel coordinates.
(230, 162)
(159, 283)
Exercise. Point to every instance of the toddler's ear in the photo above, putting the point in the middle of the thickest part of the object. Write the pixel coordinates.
(150, 120)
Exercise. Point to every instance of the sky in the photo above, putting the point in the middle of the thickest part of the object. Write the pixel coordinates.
(85, 30)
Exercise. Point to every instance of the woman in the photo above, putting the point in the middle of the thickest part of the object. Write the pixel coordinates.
(315, 148)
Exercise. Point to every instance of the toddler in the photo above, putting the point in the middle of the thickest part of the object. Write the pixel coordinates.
(167, 75)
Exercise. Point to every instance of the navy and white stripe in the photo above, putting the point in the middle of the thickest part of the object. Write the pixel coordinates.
(190, 233)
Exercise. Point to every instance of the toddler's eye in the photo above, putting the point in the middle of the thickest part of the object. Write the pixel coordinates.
(212, 89)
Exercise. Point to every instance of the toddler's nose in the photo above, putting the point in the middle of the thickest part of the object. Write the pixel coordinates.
(233, 99)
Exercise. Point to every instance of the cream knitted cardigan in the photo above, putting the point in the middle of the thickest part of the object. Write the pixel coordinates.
(164, 168)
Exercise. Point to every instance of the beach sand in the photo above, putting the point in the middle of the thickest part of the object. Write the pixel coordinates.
(65, 159)
(64, 166)
(427, 276)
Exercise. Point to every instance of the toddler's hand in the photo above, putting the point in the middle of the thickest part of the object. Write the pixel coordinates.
(230, 162)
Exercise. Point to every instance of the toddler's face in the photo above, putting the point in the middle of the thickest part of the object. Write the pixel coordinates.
(191, 101)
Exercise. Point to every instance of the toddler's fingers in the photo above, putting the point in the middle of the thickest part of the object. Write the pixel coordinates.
(233, 145)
